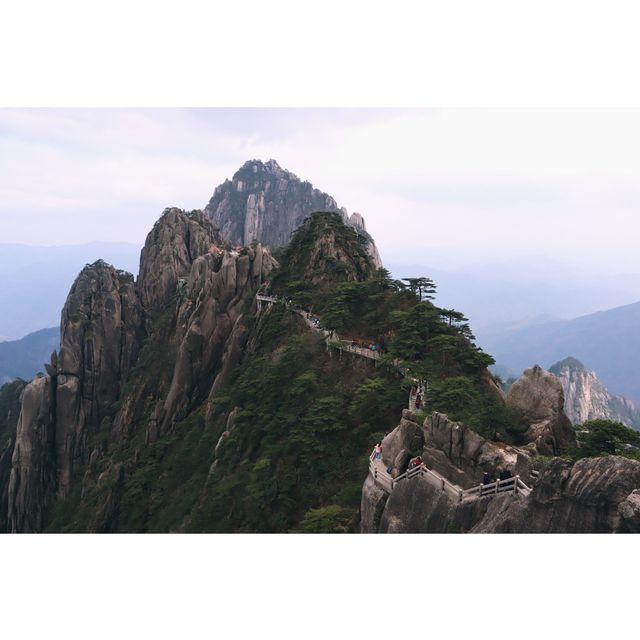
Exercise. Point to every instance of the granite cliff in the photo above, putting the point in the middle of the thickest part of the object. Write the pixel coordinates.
(182, 401)
(590, 495)
(135, 424)
(188, 301)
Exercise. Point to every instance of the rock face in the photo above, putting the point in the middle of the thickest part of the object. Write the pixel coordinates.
(462, 455)
(33, 465)
(175, 241)
(210, 328)
(539, 396)
(405, 441)
(99, 341)
(266, 203)
(586, 398)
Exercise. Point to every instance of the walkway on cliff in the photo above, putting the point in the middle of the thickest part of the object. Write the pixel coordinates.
(388, 483)
(419, 390)
(376, 467)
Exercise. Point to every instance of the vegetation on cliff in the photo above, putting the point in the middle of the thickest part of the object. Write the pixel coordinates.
(606, 437)
(270, 430)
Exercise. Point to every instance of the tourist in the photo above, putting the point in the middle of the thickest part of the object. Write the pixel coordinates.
(418, 402)
(505, 474)
(377, 452)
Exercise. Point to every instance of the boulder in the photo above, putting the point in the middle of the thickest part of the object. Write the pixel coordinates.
(539, 396)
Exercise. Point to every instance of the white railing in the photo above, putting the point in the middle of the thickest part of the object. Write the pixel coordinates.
(263, 298)
(388, 482)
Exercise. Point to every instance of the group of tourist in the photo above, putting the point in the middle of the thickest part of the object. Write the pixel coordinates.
(413, 462)
(370, 346)
(503, 474)
(487, 479)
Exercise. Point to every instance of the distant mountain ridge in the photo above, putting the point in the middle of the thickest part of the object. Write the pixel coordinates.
(34, 281)
(25, 357)
(267, 203)
(607, 342)
(586, 398)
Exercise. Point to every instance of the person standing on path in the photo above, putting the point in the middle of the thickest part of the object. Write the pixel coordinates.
(377, 452)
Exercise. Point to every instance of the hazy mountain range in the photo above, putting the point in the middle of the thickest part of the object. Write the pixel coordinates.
(515, 292)
(179, 402)
(607, 342)
(25, 357)
(34, 281)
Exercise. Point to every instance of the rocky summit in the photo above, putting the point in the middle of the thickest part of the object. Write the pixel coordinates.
(225, 390)
(265, 203)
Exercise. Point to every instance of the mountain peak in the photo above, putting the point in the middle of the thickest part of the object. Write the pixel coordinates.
(568, 363)
(266, 203)
(258, 167)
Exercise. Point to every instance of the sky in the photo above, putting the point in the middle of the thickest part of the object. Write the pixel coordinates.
(460, 185)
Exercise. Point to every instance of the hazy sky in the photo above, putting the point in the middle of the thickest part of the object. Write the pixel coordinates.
(512, 182)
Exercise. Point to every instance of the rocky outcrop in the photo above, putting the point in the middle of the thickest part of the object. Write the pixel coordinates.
(210, 328)
(99, 341)
(463, 456)
(538, 395)
(175, 241)
(594, 495)
(266, 203)
(60, 412)
(33, 465)
(586, 398)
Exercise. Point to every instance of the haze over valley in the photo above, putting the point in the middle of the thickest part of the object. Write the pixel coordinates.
(440, 315)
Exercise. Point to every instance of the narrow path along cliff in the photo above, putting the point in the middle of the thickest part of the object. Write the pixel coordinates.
(377, 468)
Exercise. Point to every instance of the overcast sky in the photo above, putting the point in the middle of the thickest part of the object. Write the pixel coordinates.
(463, 181)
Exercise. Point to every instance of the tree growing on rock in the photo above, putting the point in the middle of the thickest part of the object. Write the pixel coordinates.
(607, 437)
